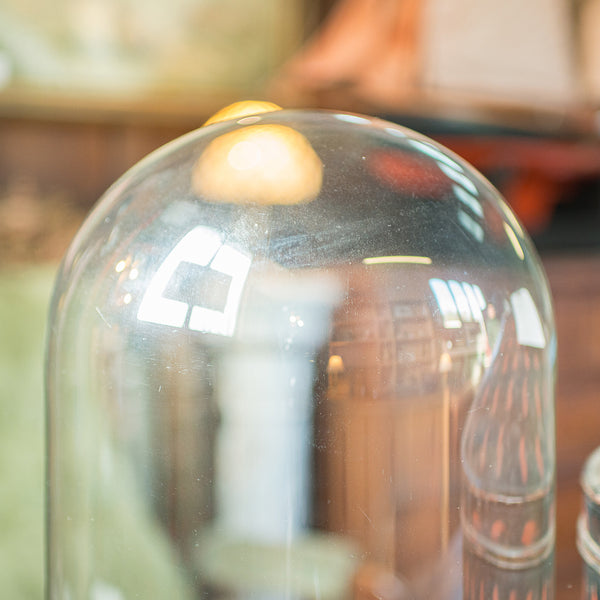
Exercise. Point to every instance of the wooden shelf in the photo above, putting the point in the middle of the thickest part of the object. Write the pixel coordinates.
(154, 108)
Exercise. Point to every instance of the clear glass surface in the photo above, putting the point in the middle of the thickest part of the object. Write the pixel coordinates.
(300, 355)
(588, 526)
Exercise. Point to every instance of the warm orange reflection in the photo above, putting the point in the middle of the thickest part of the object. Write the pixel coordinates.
(260, 164)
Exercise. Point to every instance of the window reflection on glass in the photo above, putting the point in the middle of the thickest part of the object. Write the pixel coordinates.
(213, 303)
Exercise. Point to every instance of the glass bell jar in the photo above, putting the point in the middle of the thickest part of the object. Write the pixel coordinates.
(301, 355)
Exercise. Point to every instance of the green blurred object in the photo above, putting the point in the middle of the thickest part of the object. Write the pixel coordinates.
(25, 293)
(24, 297)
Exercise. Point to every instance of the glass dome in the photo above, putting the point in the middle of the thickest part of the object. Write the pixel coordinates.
(299, 354)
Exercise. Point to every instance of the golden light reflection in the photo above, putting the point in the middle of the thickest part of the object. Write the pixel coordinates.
(259, 164)
(512, 236)
(335, 364)
(242, 109)
(383, 260)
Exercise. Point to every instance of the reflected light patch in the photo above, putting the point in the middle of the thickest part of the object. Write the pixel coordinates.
(258, 164)
(395, 132)
(383, 260)
(512, 219)
(352, 119)
(404, 172)
(201, 246)
(479, 295)
(446, 303)
(252, 120)
(436, 154)
(235, 264)
(120, 266)
(242, 109)
(335, 364)
(475, 303)
(459, 178)
(244, 155)
(512, 236)
(445, 364)
(461, 300)
(471, 225)
(468, 200)
(530, 331)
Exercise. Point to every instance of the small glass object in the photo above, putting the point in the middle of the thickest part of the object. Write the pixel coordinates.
(299, 354)
(484, 579)
(588, 526)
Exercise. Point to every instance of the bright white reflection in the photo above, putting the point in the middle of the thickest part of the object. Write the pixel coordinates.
(436, 154)
(527, 319)
(101, 590)
(382, 260)
(352, 119)
(249, 120)
(462, 303)
(512, 219)
(476, 301)
(197, 247)
(459, 178)
(396, 132)
(201, 246)
(512, 236)
(446, 303)
(472, 226)
(230, 262)
(120, 266)
(479, 295)
(468, 200)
